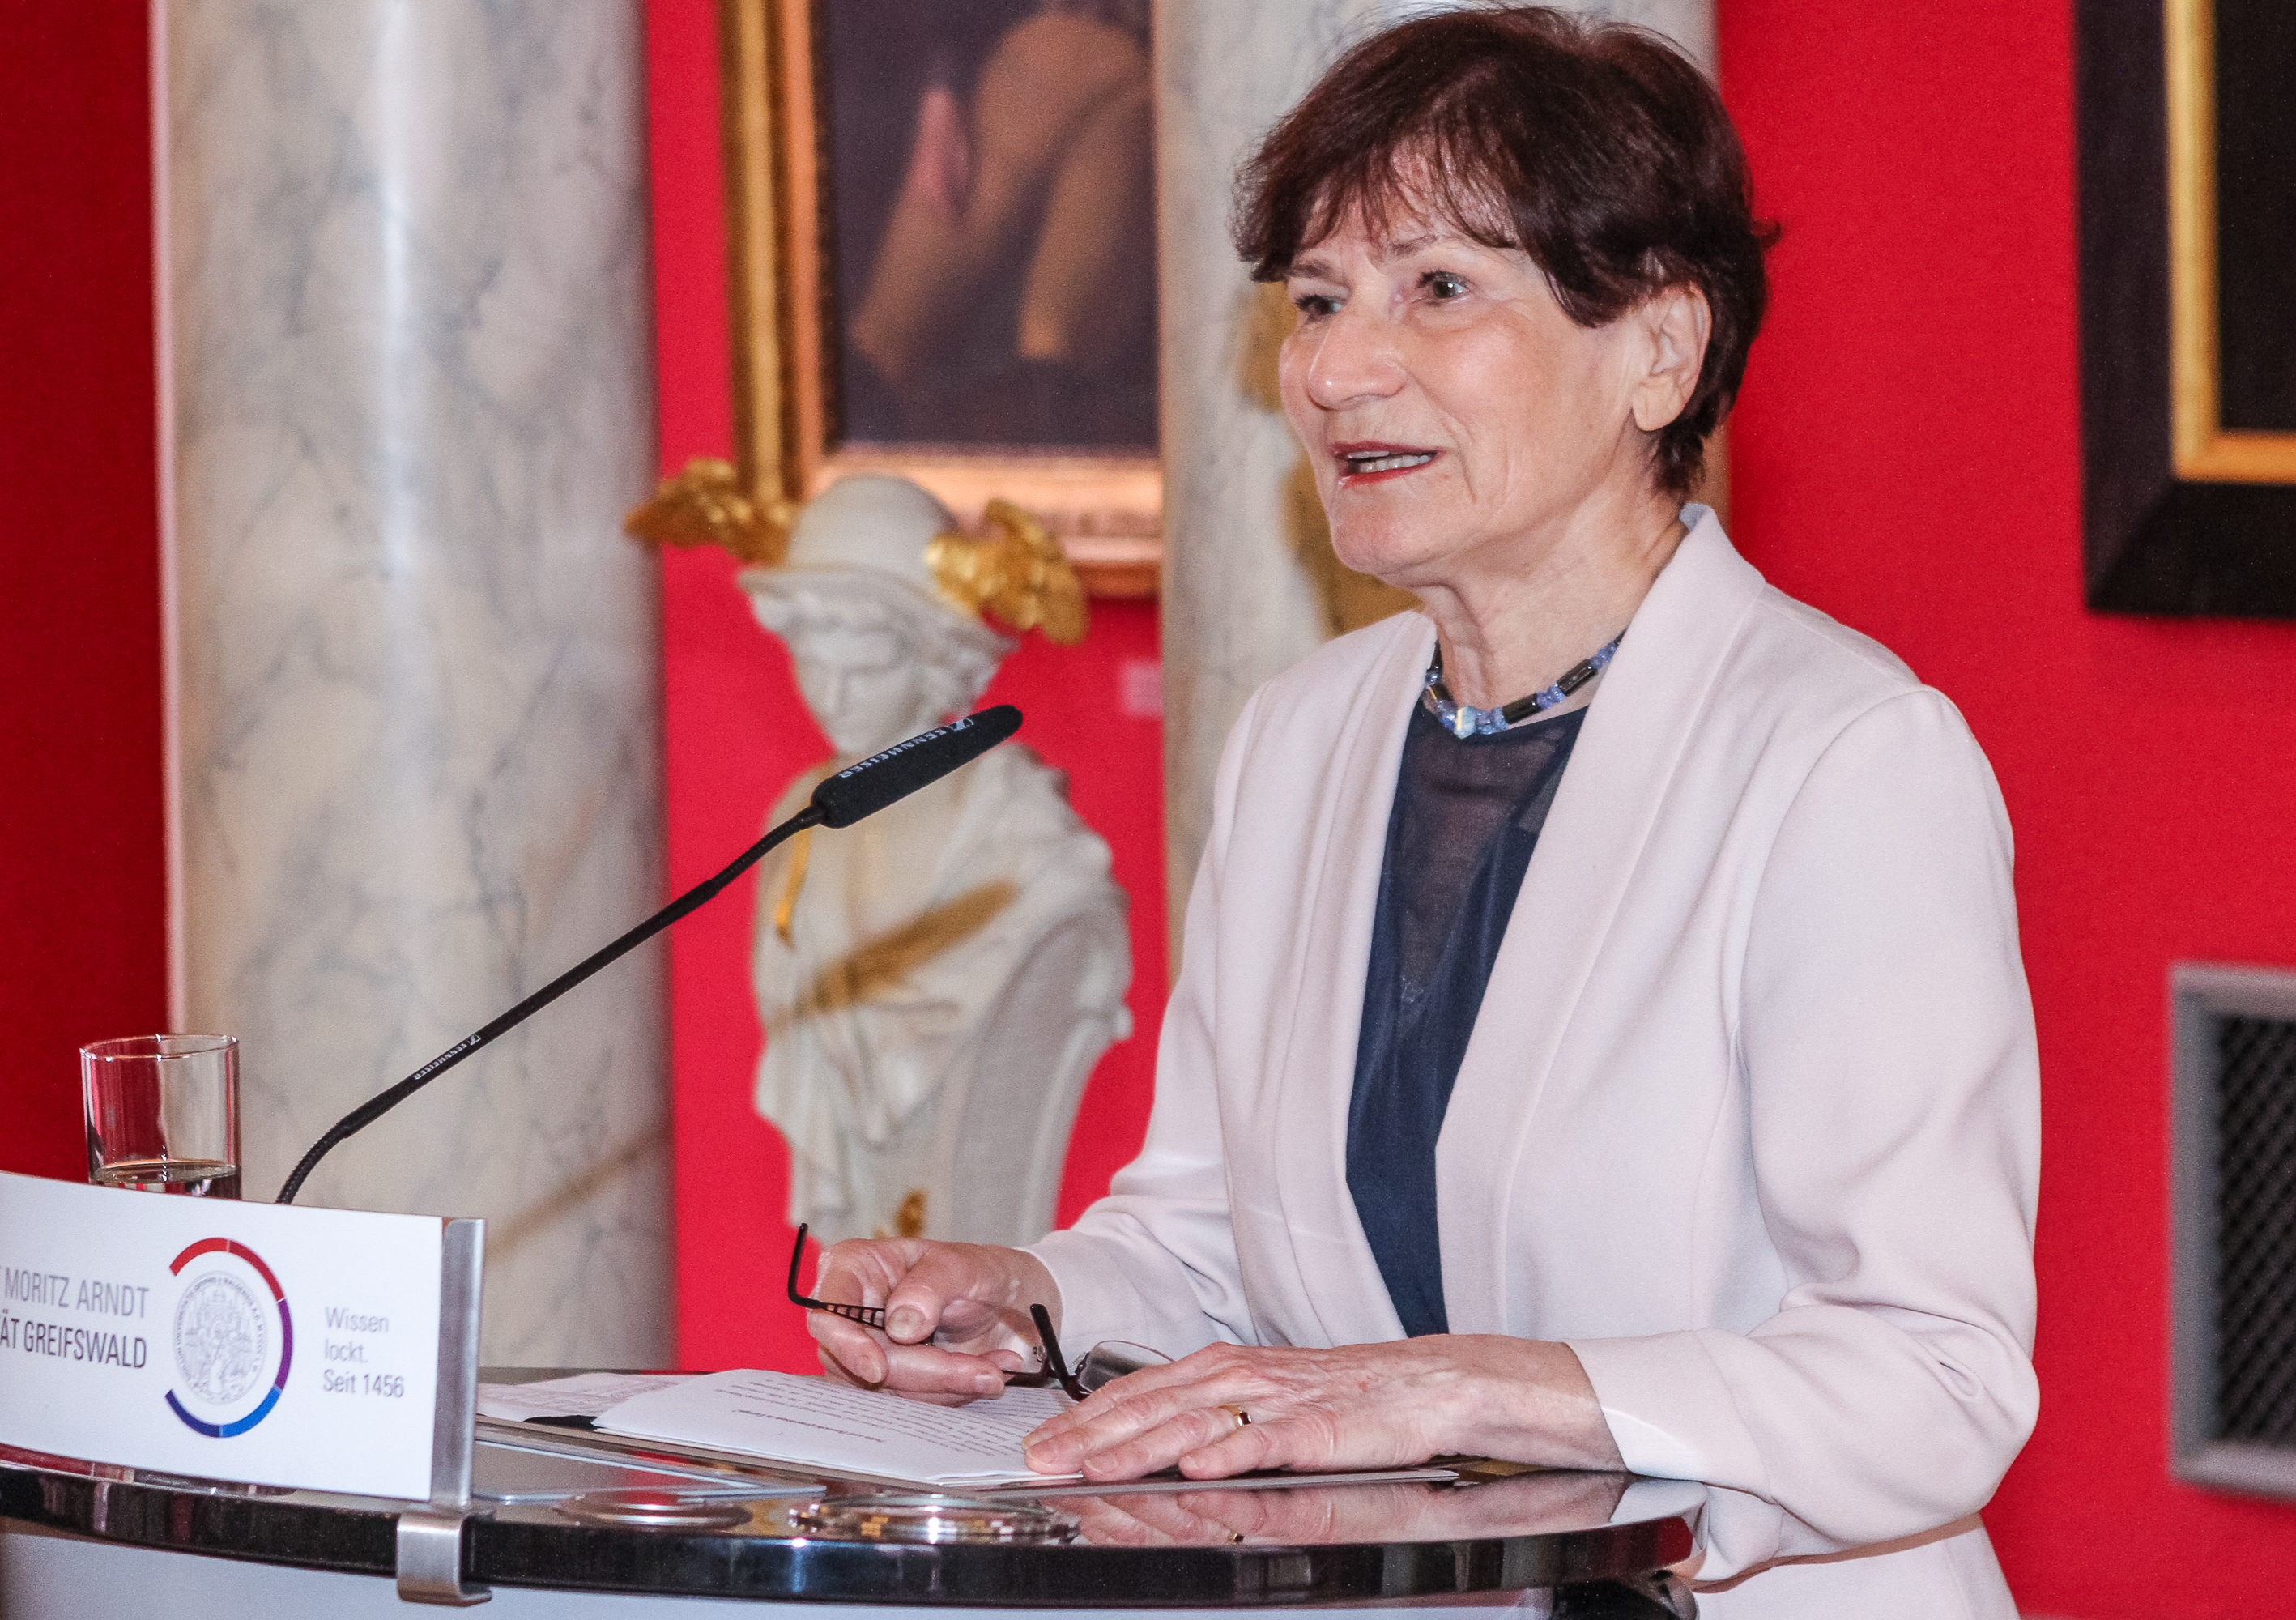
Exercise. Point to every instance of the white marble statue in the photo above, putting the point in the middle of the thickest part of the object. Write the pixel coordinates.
(937, 981)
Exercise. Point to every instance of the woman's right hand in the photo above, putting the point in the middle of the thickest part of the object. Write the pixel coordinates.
(956, 1316)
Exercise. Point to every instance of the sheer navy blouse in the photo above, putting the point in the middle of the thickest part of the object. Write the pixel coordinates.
(1467, 815)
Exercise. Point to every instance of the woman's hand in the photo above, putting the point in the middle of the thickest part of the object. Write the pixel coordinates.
(1312, 1516)
(1361, 1406)
(956, 1316)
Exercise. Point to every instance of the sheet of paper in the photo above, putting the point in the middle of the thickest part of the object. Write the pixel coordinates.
(583, 1395)
(810, 1421)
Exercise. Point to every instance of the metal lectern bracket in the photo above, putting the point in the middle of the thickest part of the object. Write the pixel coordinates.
(430, 1549)
(430, 1558)
(461, 1261)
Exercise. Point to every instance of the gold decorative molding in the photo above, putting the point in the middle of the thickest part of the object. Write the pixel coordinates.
(2203, 451)
(879, 966)
(785, 909)
(909, 1220)
(1016, 572)
(706, 505)
(1105, 511)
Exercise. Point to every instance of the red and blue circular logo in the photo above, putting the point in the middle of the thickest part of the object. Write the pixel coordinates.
(224, 1342)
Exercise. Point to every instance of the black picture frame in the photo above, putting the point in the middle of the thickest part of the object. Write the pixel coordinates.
(2152, 542)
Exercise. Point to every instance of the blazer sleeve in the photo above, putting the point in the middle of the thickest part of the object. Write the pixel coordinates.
(1154, 1262)
(1885, 1044)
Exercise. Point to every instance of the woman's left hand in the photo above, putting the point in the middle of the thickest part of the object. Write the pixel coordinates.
(1232, 1409)
(1523, 1505)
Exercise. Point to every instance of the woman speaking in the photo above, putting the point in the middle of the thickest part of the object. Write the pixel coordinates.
(1599, 1037)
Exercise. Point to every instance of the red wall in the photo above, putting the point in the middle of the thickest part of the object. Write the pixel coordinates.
(1908, 459)
(737, 733)
(82, 866)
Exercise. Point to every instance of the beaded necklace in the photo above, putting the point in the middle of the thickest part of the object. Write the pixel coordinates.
(1465, 719)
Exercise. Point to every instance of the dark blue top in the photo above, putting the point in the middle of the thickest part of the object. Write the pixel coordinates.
(1467, 815)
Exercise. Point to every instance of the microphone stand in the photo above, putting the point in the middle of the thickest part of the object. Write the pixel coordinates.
(693, 900)
(860, 789)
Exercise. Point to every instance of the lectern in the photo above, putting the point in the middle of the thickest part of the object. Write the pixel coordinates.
(216, 1407)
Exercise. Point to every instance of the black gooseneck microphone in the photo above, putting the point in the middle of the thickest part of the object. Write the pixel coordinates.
(840, 801)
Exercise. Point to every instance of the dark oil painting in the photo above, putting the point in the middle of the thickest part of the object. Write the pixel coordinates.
(990, 223)
(2256, 213)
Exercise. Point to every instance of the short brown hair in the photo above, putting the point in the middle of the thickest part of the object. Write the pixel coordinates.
(1597, 148)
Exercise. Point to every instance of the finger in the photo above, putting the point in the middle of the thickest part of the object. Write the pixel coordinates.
(1166, 1391)
(946, 1289)
(1241, 1450)
(870, 1271)
(1114, 1412)
(862, 1271)
(1101, 1424)
(1103, 1522)
(1362, 1513)
(946, 1380)
(1197, 1517)
(1161, 1447)
(1152, 1519)
(851, 1349)
(855, 1355)
(1011, 1360)
(922, 1370)
(924, 1288)
(837, 1370)
(842, 1375)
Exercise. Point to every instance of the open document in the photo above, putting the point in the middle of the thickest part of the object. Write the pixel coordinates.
(812, 1422)
(583, 1395)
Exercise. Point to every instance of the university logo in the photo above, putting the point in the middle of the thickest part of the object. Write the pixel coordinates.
(231, 1360)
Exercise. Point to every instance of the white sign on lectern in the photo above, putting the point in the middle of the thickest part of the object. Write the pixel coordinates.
(328, 1350)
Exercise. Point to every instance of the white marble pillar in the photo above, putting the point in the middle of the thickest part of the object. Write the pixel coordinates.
(417, 762)
(1244, 597)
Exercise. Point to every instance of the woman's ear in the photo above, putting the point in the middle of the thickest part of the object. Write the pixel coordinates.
(1677, 322)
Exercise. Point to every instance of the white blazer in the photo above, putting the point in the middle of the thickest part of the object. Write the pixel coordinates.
(1749, 1117)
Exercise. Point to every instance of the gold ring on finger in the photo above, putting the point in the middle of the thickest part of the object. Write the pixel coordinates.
(1242, 1417)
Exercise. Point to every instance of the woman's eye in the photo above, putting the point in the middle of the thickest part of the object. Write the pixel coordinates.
(1315, 306)
(1443, 286)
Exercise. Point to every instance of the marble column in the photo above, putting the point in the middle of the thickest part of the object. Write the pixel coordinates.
(416, 745)
(1249, 584)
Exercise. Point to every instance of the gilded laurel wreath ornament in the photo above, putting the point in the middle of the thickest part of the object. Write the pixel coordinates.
(705, 504)
(1016, 571)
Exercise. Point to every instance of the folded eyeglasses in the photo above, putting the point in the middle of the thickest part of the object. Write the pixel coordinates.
(1102, 1364)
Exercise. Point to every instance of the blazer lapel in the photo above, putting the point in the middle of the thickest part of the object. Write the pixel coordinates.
(1339, 1281)
(1624, 761)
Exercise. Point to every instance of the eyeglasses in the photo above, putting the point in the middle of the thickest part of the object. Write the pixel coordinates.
(1103, 1363)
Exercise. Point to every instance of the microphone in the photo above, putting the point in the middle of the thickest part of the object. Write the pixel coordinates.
(865, 789)
(842, 800)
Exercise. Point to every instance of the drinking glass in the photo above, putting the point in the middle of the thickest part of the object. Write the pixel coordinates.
(163, 1114)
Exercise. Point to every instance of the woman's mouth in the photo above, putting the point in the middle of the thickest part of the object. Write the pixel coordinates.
(1360, 463)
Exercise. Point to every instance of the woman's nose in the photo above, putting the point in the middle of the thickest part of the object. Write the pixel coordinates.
(1353, 361)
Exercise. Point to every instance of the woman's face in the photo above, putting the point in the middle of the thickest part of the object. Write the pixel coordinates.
(1458, 420)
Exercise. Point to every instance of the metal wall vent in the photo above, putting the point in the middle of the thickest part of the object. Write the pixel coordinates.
(2233, 1246)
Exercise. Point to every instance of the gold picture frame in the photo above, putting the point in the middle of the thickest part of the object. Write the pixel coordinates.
(1106, 510)
(2204, 450)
